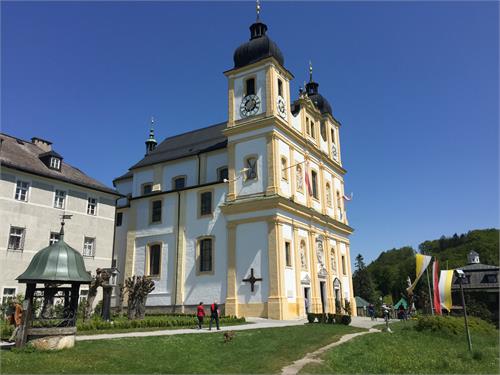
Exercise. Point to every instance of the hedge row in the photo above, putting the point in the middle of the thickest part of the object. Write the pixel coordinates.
(156, 321)
(452, 325)
(329, 318)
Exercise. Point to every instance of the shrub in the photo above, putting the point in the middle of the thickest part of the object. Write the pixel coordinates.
(452, 325)
(311, 317)
(331, 318)
(345, 319)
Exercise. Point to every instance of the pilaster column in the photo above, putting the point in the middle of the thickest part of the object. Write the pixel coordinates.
(292, 174)
(299, 297)
(349, 275)
(272, 160)
(322, 189)
(315, 292)
(231, 172)
(329, 283)
(180, 255)
(230, 106)
(231, 293)
(276, 298)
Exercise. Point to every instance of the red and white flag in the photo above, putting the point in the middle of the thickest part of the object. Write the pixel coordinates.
(308, 181)
(437, 295)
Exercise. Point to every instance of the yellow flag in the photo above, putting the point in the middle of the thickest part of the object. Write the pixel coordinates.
(422, 264)
(445, 288)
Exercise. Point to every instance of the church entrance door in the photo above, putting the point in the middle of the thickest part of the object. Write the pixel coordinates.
(323, 297)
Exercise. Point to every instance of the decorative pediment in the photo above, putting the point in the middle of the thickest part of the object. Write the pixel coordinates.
(306, 280)
(322, 273)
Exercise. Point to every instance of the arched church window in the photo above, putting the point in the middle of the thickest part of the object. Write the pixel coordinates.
(251, 168)
(328, 193)
(299, 178)
(250, 86)
(322, 130)
(280, 87)
(303, 259)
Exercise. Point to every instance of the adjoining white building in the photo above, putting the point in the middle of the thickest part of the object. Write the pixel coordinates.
(36, 188)
(250, 211)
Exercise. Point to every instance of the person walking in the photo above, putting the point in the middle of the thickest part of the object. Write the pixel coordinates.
(200, 314)
(214, 315)
(15, 318)
(371, 311)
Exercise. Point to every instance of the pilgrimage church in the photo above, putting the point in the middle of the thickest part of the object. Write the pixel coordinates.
(250, 212)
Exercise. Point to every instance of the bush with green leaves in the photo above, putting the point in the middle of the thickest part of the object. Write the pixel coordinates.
(452, 325)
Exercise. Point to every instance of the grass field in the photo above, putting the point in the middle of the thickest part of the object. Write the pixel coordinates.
(252, 351)
(407, 351)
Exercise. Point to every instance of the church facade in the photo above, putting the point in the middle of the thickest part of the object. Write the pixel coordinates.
(250, 212)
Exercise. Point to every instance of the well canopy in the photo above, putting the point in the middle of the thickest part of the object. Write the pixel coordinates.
(59, 263)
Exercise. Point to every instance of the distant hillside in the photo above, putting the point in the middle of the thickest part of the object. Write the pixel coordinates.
(391, 269)
(454, 249)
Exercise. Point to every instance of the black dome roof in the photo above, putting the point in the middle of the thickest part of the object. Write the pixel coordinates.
(319, 101)
(257, 48)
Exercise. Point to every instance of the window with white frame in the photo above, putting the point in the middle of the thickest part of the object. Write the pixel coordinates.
(8, 294)
(92, 206)
(60, 199)
(22, 188)
(54, 237)
(251, 168)
(89, 247)
(55, 163)
(205, 255)
(16, 238)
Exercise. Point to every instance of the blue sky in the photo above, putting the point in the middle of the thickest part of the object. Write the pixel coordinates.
(415, 86)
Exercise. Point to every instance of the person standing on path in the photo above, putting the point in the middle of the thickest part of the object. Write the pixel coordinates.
(214, 315)
(200, 314)
(15, 318)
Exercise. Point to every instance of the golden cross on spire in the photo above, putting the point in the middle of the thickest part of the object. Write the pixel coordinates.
(257, 8)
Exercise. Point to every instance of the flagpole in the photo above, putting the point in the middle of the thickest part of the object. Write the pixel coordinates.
(430, 293)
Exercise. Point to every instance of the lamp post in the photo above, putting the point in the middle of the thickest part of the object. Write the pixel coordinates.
(107, 290)
(461, 277)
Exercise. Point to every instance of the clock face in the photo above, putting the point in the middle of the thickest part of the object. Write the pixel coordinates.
(249, 105)
(281, 107)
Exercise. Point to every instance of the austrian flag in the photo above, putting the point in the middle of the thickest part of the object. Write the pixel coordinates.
(308, 181)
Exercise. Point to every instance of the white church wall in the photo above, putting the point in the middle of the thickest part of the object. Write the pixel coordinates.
(329, 179)
(284, 151)
(205, 287)
(296, 122)
(345, 279)
(290, 287)
(258, 148)
(300, 197)
(186, 167)
(124, 186)
(215, 160)
(239, 91)
(168, 216)
(141, 177)
(252, 252)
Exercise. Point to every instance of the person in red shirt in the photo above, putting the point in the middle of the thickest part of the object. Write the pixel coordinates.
(200, 314)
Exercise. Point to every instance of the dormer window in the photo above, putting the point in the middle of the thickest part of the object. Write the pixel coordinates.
(55, 163)
(250, 86)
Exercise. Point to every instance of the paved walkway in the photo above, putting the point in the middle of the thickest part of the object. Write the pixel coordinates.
(255, 323)
(296, 366)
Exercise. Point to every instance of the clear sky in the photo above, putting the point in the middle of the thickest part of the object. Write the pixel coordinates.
(414, 84)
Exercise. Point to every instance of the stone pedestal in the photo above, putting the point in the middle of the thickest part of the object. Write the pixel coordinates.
(52, 338)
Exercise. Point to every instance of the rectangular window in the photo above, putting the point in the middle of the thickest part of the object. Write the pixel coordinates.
(59, 199)
(54, 237)
(280, 87)
(156, 212)
(92, 206)
(312, 130)
(284, 169)
(154, 260)
(308, 128)
(55, 163)
(206, 255)
(119, 219)
(206, 203)
(89, 247)
(147, 188)
(8, 294)
(332, 135)
(22, 188)
(222, 174)
(288, 255)
(314, 183)
(250, 89)
(16, 238)
(343, 266)
(251, 168)
(179, 182)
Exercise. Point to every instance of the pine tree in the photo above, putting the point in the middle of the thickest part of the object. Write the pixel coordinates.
(362, 281)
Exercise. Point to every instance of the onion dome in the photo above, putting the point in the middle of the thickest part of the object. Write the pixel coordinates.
(319, 101)
(259, 47)
(57, 263)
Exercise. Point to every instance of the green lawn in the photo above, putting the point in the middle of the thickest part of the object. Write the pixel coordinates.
(407, 351)
(252, 351)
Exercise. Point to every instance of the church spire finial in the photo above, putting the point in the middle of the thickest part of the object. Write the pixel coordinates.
(257, 9)
(151, 141)
(310, 71)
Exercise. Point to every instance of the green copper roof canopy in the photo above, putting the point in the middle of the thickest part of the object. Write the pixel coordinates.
(58, 262)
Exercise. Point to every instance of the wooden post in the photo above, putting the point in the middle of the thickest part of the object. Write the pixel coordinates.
(22, 335)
